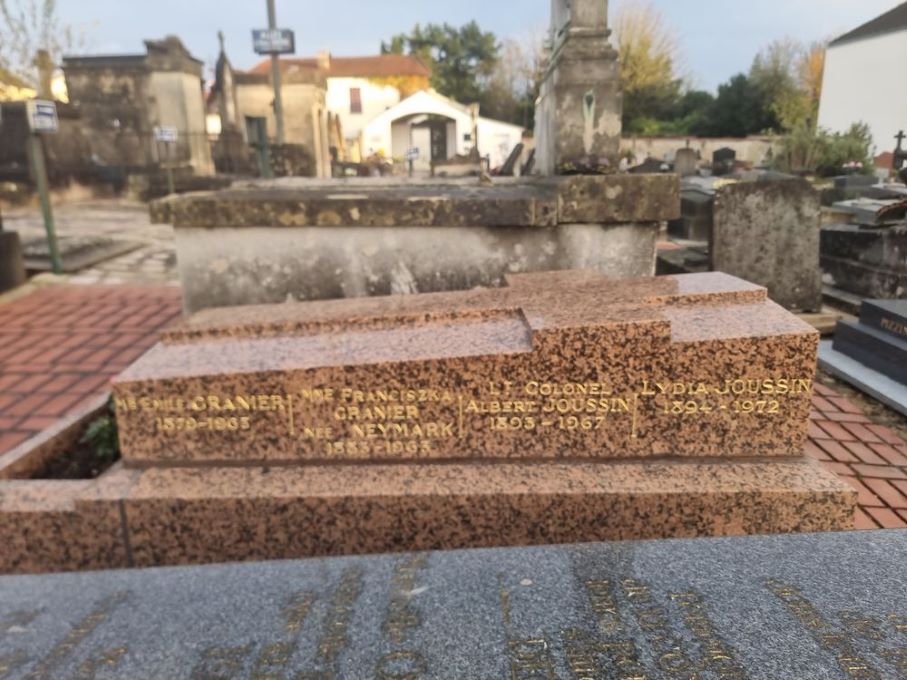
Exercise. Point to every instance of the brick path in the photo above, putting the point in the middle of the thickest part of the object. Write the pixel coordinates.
(60, 346)
(871, 458)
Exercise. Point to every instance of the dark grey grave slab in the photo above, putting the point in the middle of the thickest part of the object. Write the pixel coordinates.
(855, 181)
(794, 607)
(76, 252)
(879, 386)
(869, 263)
(873, 347)
(886, 315)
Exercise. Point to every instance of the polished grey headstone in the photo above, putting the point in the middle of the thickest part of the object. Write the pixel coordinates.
(875, 384)
(795, 607)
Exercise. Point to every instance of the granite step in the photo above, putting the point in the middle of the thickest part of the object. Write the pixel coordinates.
(173, 516)
(874, 348)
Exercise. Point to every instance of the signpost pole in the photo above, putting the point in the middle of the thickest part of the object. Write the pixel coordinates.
(275, 75)
(39, 172)
(171, 187)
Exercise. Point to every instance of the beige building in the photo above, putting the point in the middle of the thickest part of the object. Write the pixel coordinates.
(303, 93)
(122, 99)
(355, 91)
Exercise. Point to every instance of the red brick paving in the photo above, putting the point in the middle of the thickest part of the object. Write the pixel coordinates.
(61, 345)
(872, 458)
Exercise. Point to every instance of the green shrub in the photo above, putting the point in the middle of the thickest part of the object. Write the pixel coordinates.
(102, 436)
(820, 152)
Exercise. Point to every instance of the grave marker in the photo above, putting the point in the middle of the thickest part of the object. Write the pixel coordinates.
(805, 607)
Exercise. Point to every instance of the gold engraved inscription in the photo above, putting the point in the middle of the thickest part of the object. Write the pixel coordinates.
(893, 326)
(842, 646)
(398, 421)
(530, 660)
(76, 635)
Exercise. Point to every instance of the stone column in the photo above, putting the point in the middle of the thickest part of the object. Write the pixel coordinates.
(580, 105)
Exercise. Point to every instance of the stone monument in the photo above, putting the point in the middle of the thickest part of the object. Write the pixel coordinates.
(295, 239)
(564, 407)
(793, 607)
(766, 229)
(579, 109)
(314, 240)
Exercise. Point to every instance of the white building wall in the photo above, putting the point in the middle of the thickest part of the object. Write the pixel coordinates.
(863, 83)
(377, 136)
(376, 99)
(497, 140)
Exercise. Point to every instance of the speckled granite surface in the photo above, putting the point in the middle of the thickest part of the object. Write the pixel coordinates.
(819, 607)
(187, 516)
(172, 516)
(557, 365)
(563, 408)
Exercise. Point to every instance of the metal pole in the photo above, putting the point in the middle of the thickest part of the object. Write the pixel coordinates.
(275, 76)
(39, 172)
(171, 187)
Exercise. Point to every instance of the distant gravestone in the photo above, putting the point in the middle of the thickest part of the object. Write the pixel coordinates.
(879, 339)
(723, 161)
(686, 162)
(767, 232)
(510, 165)
(649, 166)
(808, 607)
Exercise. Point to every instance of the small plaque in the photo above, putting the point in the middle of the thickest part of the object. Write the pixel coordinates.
(166, 133)
(274, 41)
(42, 116)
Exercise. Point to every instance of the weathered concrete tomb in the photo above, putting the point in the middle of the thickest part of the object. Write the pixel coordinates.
(563, 407)
(299, 239)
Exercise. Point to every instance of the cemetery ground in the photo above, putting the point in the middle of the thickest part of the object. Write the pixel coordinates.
(65, 337)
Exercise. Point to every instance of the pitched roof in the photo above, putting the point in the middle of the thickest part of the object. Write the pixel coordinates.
(378, 66)
(890, 22)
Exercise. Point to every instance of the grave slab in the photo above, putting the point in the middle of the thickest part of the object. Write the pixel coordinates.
(566, 407)
(889, 316)
(877, 349)
(879, 386)
(811, 607)
(560, 365)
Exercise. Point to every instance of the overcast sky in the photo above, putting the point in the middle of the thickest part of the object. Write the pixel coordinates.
(717, 38)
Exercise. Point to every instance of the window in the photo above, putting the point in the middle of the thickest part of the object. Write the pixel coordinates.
(355, 100)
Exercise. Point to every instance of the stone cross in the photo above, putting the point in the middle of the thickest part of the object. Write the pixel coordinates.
(900, 154)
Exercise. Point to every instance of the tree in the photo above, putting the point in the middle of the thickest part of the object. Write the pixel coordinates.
(461, 59)
(740, 109)
(775, 76)
(27, 26)
(510, 92)
(812, 72)
(648, 58)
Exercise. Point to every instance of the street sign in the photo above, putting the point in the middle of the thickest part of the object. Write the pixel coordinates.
(166, 133)
(412, 153)
(274, 41)
(42, 116)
